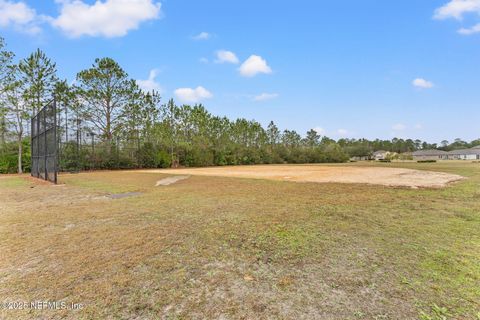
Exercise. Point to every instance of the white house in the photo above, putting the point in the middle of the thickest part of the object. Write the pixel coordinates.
(465, 154)
(380, 155)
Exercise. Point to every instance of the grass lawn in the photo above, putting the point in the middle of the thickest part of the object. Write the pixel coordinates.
(228, 248)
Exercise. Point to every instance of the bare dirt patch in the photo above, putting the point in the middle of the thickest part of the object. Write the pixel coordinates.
(393, 177)
(170, 180)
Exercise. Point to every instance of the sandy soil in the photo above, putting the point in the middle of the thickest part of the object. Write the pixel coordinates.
(394, 177)
(170, 180)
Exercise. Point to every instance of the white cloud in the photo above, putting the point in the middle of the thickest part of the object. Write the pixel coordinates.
(399, 127)
(110, 18)
(151, 83)
(265, 96)
(189, 95)
(19, 16)
(457, 8)
(225, 56)
(469, 31)
(342, 132)
(253, 66)
(202, 36)
(422, 83)
(319, 130)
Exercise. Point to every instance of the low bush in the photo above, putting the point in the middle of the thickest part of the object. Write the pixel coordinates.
(9, 157)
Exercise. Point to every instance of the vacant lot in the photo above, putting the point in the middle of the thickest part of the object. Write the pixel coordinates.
(228, 248)
(394, 177)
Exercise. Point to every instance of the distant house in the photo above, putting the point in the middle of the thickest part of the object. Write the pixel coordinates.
(430, 155)
(465, 154)
(405, 156)
(360, 158)
(382, 154)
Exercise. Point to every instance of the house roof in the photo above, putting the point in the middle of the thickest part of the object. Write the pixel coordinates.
(430, 152)
(379, 152)
(465, 152)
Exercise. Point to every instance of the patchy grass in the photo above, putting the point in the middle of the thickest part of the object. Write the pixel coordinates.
(211, 247)
(109, 181)
(12, 181)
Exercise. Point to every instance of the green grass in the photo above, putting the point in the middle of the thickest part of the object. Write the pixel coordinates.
(12, 182)
(100, 186)
(105, 181)
(212, 247)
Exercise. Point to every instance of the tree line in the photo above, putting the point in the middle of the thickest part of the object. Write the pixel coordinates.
(131, 128)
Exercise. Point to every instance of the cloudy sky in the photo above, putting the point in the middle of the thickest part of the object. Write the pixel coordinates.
(353, 68)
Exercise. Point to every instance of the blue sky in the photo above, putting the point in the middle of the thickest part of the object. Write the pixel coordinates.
(374, 69)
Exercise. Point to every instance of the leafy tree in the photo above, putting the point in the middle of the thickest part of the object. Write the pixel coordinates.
(19, 109)
(5, 61)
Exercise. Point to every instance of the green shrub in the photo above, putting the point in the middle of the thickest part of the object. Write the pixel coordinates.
(147, 156)
(8, 163)
(9, 157)
(163, 159)
(334, 153)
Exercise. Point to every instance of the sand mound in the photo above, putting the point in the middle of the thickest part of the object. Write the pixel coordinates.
(394, 177)
(170, 180)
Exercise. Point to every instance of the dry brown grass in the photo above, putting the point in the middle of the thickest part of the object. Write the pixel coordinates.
(216, 247)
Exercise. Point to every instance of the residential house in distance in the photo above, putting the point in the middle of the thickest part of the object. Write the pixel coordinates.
(360, 158)
(382, 155)
(431, 154)
(463, 154)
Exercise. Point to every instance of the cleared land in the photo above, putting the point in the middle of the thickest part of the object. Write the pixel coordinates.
(394, 177)
(221, 247)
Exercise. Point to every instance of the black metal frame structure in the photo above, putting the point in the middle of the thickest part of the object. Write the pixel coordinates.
(44, 146)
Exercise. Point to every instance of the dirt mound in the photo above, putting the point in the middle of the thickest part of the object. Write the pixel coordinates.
(394, 177)
(170, 180)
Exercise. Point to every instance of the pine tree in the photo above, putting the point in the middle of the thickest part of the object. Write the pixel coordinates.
(5, 61)
(38, 75)
(105, 92)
